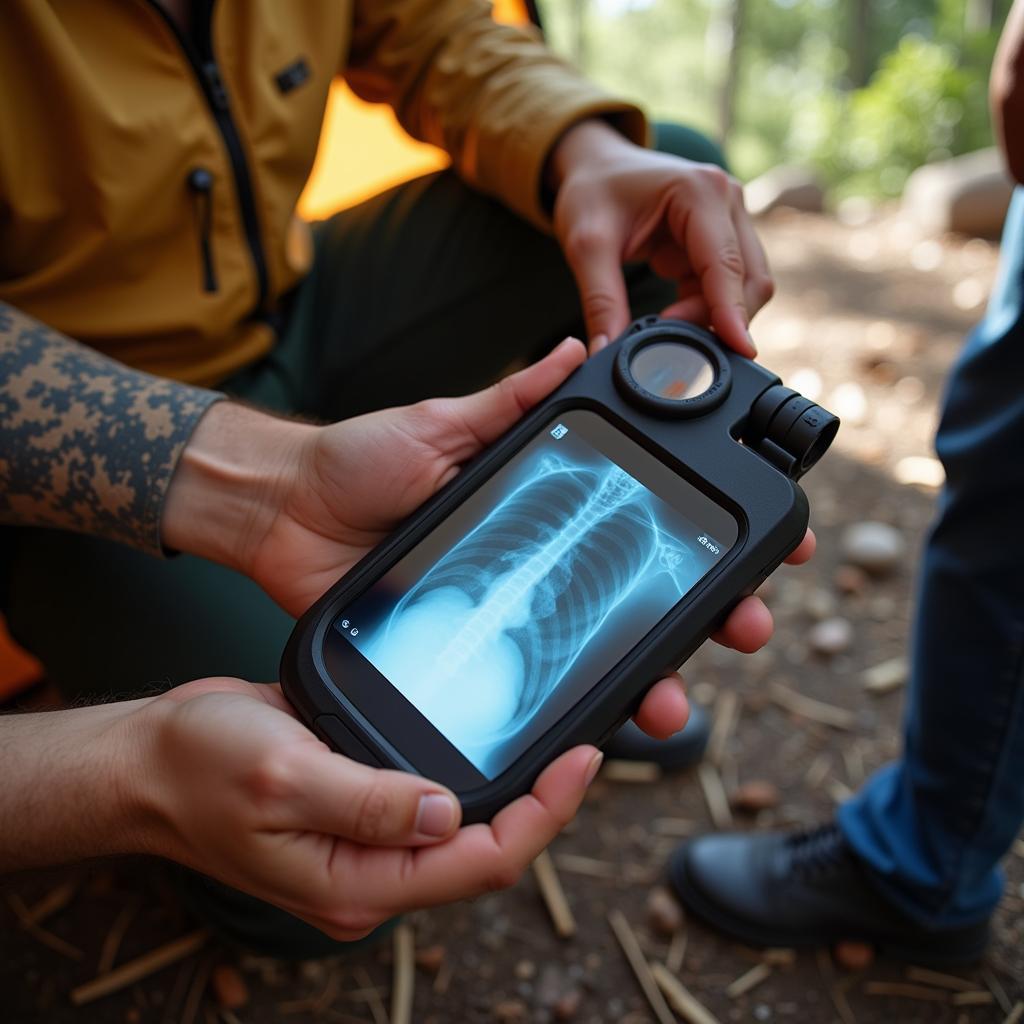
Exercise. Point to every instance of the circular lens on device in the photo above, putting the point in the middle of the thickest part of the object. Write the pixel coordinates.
(672, 370)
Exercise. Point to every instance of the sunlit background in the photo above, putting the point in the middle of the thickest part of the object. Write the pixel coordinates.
(863, 90)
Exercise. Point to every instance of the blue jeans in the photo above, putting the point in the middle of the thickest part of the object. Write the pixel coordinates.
(933, 827)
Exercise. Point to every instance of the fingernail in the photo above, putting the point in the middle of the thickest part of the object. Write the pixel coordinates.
(598, 342)
(436, 815)
(593, 767)
(753, 347)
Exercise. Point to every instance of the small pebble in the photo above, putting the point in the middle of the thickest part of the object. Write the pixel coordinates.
(525, 970)
(754, 796)
(229, 987)
(850, 580)
(820, 604)
(663, 912)
(430, 958)
(510, 1010)
(886, 676)
(877, 548)
(568, 1005)
(832, 636)
(854, 956)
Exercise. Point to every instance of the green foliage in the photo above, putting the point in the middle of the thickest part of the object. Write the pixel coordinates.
(924, 65)
(922, 104)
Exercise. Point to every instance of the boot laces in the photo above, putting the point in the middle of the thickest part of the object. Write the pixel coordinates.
(818, 851)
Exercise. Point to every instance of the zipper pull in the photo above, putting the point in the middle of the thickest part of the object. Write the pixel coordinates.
(200, 183)
(215, 84)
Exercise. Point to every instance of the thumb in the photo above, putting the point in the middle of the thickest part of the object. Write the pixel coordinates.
(372, 806)
(597, 267)
(487, 414)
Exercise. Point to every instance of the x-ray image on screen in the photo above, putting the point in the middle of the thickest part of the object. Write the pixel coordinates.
(496, 625)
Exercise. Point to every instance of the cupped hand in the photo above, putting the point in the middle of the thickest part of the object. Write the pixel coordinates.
(238, 788)
(617, 202)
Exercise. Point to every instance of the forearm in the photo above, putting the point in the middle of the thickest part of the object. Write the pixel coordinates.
(68, 788)
(1006, 92)
(492, 95)
(86, 443)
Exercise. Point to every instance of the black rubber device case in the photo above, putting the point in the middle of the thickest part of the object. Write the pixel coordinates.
(744, 443)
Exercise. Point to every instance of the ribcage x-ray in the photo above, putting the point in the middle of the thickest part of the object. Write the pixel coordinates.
(551, 586)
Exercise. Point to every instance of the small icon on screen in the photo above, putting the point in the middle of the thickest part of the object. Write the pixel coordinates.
(560, 431)
(707, 542)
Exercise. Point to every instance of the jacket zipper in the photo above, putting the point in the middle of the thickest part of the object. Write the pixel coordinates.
(200, 182)
(204, 65)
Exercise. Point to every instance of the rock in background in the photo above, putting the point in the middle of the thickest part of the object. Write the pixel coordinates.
(968, 194)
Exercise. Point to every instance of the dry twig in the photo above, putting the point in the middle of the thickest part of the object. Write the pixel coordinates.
(839, 791)
(641, 968)
(815, 710)
(373, 999)
(443, 979)
(680, 998)
(749, 980)
(589, 866)
(53, 902)
(676, 955)
(403, 987)
(554, 895)
(112, 943)
(723, 723)
(139, 968)
(681, 827)
(940, 980)
(976, 997)
(714, 795)
(905, 991)
(997, 990)
(38, 932)
(817, 771)
(631, 771)
(837, 993)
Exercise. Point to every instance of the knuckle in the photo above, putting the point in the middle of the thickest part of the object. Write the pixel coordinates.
(504, 876)
(272, 778)
(765, 288)
(717, 180)
(597, 304)
(730, 259)
(584, 239)
(375, 813)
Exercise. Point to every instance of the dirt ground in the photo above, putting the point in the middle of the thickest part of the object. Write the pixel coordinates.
(867, 317)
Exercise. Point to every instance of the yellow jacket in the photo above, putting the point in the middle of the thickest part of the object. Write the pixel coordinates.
(148, 183)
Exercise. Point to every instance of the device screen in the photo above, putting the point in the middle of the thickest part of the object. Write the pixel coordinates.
(509, 611)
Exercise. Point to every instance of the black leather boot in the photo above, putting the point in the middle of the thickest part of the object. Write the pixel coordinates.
(806, 889)
(683, 750)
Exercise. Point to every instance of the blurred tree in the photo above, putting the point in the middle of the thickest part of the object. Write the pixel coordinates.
(864, 90)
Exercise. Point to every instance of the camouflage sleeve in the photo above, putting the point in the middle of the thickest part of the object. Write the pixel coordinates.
(86, 443)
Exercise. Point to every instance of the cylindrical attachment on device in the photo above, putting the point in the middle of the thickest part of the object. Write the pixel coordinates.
(789, 430)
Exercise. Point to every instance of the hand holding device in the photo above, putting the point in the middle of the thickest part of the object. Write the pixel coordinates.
(617, 202)
(219, 775)
(527, 607)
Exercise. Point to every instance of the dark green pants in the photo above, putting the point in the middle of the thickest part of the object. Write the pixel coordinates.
(427, 289)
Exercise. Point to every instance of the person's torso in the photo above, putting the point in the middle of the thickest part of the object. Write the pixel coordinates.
(148, 181)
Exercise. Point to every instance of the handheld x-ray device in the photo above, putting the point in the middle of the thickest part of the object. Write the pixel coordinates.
(529, 604)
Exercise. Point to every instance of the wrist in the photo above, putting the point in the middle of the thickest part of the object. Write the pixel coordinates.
(585, 143)
(230, 483)
(72, 785)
